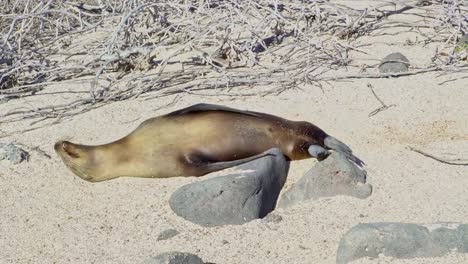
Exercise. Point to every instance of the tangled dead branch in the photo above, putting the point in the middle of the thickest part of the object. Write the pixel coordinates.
(129, 49)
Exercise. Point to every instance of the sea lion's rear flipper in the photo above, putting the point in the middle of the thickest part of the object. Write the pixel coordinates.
(211, 107)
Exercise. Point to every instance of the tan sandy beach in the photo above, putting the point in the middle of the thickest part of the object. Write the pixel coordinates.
(48, 215)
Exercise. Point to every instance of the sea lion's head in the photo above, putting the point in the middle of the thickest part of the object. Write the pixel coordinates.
(77, 158)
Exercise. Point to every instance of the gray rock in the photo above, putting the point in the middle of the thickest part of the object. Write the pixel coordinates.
(168, 233)
(272, 218)
(394, 62)
(233, 199)
(335, 175)
(13, 153)
(402, 240)
(174, 257)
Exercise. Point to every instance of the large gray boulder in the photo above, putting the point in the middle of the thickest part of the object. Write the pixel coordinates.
(234, 199)
(174, 257)
(336, 175)
(402, 240)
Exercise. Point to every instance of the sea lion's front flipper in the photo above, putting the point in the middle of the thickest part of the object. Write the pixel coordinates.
(335, 144)
(203, 166)
(210, 107)
(318, 152)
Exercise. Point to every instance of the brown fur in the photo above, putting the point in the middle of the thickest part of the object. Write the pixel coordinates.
(182, 142)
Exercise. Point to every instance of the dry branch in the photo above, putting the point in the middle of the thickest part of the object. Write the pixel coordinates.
(458, 162)
(381, 108)
(155, 48)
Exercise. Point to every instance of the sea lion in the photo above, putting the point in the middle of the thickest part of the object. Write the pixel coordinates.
(197, 140)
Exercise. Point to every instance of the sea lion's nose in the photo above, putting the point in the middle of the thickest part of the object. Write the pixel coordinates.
(58, 145)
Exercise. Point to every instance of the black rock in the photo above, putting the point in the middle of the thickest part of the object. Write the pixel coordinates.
(234, 199)
(402, 240)
(336, 175)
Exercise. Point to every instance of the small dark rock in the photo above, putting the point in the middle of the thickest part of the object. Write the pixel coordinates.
(174, 257)
(394, 62)
(168, 233)
(335, 175)
(402, 240)
(273, 218)
(234, 199)
(13, 153)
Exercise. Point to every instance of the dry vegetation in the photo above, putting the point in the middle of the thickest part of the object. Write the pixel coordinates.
(129, 49)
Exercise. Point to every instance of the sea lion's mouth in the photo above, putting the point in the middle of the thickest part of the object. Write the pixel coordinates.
(70, 156)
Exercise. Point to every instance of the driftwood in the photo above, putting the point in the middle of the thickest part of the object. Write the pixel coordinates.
(128, 49)
(458, 162)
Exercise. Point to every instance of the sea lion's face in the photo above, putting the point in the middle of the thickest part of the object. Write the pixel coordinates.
(75, 157)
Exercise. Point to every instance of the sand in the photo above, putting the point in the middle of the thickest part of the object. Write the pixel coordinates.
(48, 215)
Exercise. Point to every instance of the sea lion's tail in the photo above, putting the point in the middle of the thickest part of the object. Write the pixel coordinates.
(335, 144)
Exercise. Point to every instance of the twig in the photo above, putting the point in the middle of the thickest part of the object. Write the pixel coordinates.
(381, 75)
(152, 48)
(36, 149)
(457, 162)
(383, 107)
